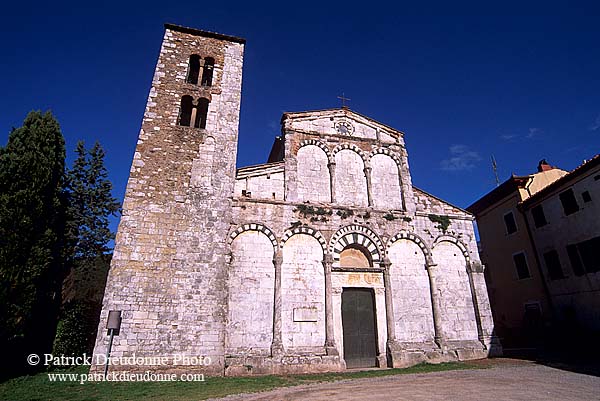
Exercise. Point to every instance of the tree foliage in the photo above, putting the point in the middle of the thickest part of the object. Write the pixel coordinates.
(90, 203)
(32, 225)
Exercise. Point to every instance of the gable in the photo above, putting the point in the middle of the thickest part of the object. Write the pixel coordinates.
(342, 123)
(425, 202)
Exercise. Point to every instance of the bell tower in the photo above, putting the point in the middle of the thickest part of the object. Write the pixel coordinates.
(167, 274)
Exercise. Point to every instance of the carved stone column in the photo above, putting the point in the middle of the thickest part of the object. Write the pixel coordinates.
(483, 313)
(277, 344)
(436, 304)
(368, 176)
(394, 350)
(330, 347)
(389, 301)
(331, 166)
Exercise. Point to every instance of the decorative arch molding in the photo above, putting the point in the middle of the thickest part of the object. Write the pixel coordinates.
(254, 227)
(317, 143)
(448, 238)
(410, 237)
(355, 234)
(384, 151)
(308, 231)
(353, 147)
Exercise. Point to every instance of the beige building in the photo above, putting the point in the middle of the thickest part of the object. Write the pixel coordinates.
(326, 257)
(534, 230)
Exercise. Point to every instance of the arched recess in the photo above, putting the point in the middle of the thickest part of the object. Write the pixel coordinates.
(314, 183)
(359, 235)
(350, 179)
(386, 190)
(251, 291)
(448, 238)
(458, 321)
(308, 231)
(254, 227)
(413, 312)
(302, 292)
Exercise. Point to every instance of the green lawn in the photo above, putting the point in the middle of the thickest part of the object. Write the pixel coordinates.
(38, 387)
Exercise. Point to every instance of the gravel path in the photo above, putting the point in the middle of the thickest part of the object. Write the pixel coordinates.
(505, 380)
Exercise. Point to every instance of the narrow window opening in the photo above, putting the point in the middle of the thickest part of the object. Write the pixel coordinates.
(590, 254)
(575, 260)
(185, 111)
(193, 69)
(509, 221)
(521, 265)
(569, 203)
(201, 114)
(207, 71)
(586, 196)
(539, 218)
(553, 265)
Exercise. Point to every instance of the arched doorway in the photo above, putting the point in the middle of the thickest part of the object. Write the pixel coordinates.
(358, 313)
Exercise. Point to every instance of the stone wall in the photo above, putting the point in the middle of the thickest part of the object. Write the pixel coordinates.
(167, 274)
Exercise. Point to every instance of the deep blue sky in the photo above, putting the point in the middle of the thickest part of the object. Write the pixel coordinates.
(462, 83)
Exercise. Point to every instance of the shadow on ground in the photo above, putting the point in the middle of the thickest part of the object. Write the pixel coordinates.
(577, 361)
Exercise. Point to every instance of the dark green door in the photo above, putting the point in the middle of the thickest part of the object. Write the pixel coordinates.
(358, 321)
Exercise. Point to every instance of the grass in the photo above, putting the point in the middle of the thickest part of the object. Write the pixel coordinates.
(38, 387)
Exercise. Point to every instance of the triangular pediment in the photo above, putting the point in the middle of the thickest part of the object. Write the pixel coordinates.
(340, 122)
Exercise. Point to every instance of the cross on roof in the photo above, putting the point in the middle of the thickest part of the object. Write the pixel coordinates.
(343, 99)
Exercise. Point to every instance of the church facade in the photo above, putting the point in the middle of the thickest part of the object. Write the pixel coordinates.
(324, 258)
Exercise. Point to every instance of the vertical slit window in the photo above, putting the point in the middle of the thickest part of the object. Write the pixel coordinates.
(207, 71)
(193, 69)
(185, 111)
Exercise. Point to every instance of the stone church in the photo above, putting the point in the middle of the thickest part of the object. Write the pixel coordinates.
(324, 258)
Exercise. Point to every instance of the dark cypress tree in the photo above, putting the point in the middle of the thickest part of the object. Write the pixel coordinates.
(32, 225)
(88, 234)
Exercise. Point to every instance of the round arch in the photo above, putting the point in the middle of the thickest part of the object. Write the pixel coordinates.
(356, 234)
(254, 227)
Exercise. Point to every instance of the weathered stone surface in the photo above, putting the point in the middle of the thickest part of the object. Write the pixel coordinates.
(245, 267)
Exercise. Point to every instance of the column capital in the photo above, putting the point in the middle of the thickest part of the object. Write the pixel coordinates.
(429, 266)
(475, 266)
(385, 264)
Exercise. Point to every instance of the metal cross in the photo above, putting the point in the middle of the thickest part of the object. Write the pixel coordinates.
(343, 99)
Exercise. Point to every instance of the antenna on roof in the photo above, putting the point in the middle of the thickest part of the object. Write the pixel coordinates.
(495, 168)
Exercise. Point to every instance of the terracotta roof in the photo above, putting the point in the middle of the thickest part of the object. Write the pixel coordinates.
(500, 192)
(572, 175)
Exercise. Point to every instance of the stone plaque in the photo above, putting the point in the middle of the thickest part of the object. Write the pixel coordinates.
(305, 314)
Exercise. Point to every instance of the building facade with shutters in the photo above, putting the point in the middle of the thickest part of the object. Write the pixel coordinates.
(540, 239)
(324, 258)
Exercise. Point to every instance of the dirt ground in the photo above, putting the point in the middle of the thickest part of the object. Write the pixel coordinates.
(500, 379)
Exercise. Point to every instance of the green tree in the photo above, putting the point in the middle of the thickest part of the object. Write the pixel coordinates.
(88, 234)
(32, 225)
(90, 203)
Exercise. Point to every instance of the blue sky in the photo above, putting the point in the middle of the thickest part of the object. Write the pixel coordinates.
(463, 83)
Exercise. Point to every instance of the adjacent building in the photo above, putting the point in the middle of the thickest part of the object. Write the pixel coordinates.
(540, 241)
